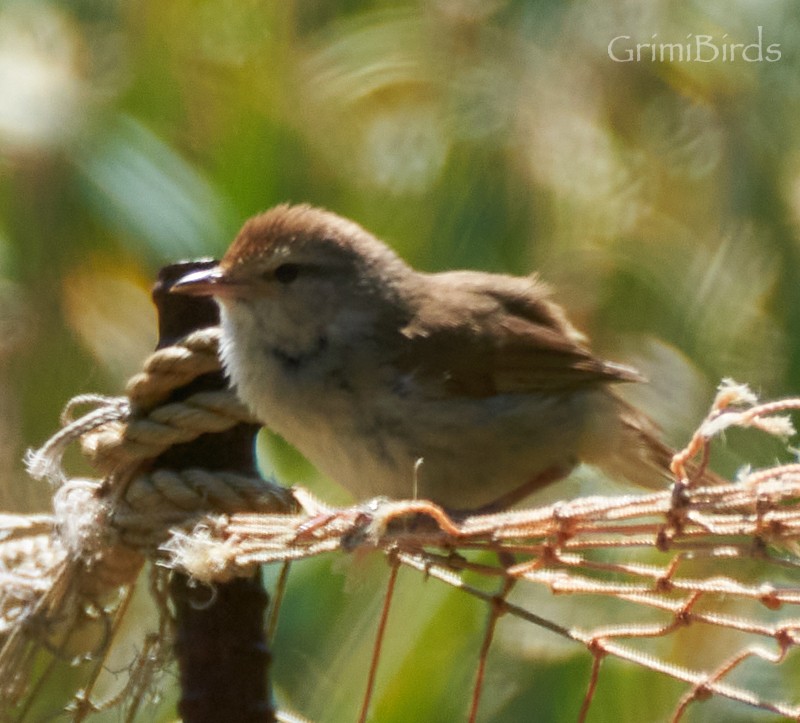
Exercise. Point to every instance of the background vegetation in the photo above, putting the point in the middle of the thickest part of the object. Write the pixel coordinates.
(662, 199)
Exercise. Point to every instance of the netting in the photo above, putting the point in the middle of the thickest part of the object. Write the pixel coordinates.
(654, 569)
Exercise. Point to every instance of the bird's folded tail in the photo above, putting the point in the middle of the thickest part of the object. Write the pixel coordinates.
(639, 456)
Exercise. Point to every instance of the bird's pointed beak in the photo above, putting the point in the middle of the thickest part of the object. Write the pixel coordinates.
(207, 282)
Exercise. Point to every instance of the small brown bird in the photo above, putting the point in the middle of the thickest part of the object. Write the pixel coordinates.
(465, 388)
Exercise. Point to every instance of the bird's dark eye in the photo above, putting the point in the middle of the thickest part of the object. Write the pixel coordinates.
(286, 273)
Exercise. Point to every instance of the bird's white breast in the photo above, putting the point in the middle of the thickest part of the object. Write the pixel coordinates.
(316, 408)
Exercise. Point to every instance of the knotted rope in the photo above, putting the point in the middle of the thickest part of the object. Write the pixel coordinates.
(100, 530)
(122, 433)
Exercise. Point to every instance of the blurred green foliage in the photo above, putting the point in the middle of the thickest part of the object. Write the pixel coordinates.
(662, 200)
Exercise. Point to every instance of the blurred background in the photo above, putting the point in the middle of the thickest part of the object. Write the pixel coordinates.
(660, 197)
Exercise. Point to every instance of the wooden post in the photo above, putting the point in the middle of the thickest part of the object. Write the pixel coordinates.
(220, 640)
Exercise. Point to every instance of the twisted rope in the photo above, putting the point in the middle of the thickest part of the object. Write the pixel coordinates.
(173, 367)
(161, 500)
(93, 544)
(91, 547)
(110, 447)
(45, 462)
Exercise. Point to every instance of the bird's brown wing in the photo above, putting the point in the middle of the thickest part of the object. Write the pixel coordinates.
(484, 335)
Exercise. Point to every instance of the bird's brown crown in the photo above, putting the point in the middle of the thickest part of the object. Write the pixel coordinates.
(288, 228)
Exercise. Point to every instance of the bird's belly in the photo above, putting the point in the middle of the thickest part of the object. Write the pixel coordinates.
(466, 454)
(463, 454)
